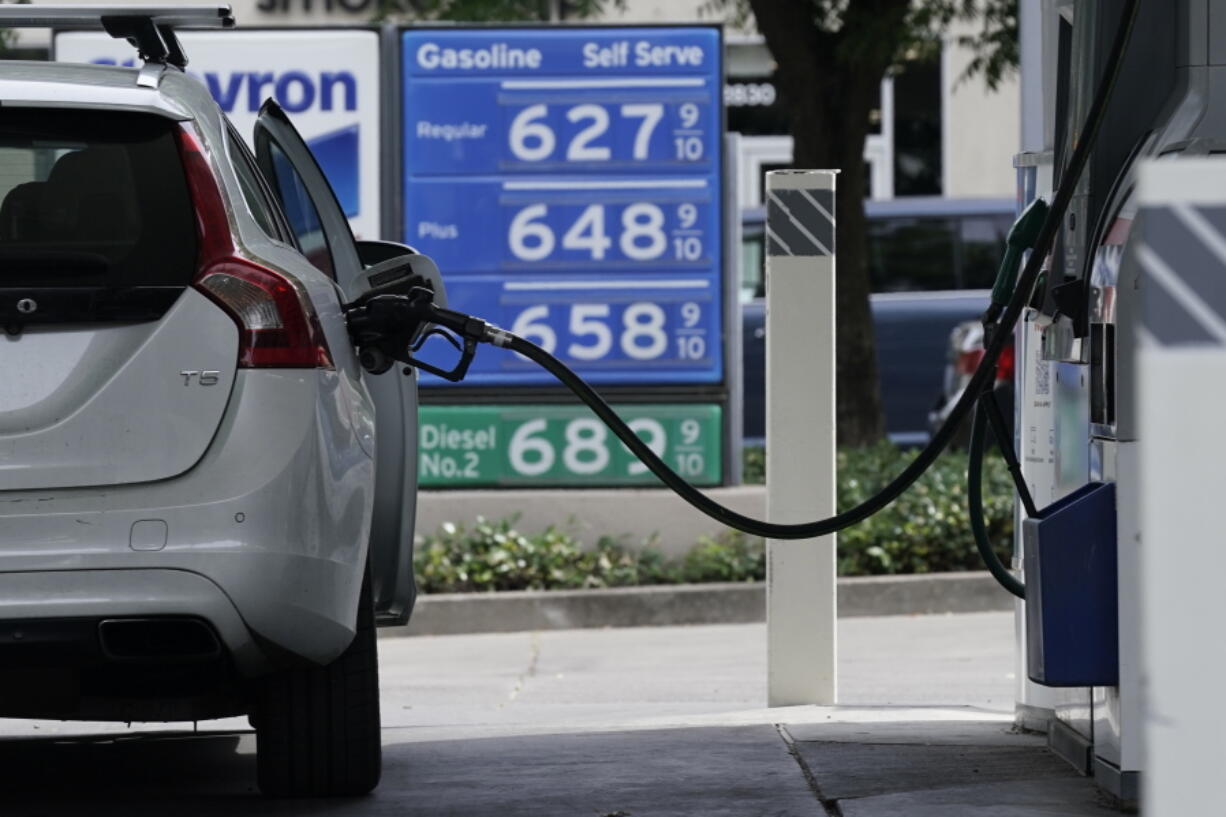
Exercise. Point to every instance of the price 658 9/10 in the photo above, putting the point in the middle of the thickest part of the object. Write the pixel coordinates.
(641, 335)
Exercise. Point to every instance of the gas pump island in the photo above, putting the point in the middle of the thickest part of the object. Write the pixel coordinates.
(1111, 286)
(1121, 83)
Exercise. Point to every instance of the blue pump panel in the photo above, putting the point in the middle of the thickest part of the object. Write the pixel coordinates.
(1072, 610)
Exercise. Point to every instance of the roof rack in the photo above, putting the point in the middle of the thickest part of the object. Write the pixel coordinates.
(150, 28)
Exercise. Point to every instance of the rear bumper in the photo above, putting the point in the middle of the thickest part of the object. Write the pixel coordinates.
(105, 594)
(265, 538)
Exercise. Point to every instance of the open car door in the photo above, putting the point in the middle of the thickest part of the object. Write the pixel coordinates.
(325, 237)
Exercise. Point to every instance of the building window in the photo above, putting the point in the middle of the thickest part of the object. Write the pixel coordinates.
(917, 128)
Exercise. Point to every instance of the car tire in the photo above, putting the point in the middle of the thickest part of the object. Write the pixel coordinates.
(317, 728)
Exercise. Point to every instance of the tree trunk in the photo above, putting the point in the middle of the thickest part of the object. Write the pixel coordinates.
(830, 101)
(858, 406)
(858, 398)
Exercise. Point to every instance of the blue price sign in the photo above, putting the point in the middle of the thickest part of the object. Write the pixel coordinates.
(568, 184)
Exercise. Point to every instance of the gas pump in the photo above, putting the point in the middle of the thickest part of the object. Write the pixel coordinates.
(1076, 413)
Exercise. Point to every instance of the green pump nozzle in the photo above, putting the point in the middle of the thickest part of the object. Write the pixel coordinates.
(1022, 236)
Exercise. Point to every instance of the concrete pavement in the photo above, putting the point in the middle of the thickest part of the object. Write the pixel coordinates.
(652, 721)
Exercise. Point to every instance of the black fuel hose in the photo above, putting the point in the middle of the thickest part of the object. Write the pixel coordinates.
(974, 502)
(981, 377)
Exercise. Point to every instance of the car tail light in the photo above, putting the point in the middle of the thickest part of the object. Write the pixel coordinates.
(968, 361)
(1004, 364)
(278, 327)
(278, 330)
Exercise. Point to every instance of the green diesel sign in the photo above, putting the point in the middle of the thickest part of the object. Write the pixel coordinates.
(480, 446)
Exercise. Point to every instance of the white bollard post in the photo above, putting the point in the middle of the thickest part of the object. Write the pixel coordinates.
(800, 453)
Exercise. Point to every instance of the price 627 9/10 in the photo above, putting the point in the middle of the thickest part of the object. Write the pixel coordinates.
(588, 130)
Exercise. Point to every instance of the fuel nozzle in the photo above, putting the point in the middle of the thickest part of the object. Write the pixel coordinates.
(1022, 237)
(389, 327)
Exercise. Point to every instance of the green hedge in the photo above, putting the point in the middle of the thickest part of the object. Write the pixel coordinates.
(494, 556)
(925, 530)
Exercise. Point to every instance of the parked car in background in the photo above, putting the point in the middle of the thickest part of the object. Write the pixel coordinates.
(964, 352)
(932, 262)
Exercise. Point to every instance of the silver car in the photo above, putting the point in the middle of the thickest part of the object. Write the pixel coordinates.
(199, 515)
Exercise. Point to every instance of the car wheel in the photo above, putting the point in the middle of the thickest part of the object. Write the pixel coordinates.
(317, 728)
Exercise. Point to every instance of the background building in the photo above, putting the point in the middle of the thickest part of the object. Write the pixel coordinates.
(936, 134)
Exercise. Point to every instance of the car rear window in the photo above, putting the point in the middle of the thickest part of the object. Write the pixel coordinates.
(93, 198)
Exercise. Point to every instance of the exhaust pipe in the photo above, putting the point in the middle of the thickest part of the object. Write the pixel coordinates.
(158, 639)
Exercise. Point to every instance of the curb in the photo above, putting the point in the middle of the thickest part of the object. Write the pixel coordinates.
(661, 605)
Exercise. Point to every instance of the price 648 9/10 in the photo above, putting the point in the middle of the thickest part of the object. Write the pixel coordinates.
(592, 332)
(641, 234)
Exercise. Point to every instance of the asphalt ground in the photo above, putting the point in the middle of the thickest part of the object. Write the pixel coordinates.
(622, 722)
